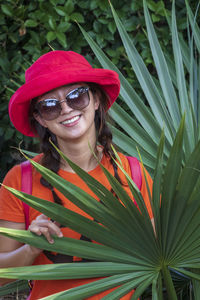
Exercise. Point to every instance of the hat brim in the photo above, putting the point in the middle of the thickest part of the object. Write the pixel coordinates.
(20, 101)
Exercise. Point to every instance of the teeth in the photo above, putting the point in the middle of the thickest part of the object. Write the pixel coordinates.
(71, 120)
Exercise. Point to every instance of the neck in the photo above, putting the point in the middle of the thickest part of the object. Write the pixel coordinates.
(81, 154)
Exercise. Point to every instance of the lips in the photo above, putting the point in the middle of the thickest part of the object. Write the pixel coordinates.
(70, 121)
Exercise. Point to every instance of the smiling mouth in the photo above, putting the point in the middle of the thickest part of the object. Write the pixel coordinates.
(74, 119)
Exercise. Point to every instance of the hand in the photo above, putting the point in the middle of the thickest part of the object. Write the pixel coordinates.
(43, 226)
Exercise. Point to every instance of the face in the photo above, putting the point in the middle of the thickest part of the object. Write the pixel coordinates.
(72, 121)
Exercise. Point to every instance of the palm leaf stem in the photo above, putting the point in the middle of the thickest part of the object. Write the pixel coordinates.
(169, 283)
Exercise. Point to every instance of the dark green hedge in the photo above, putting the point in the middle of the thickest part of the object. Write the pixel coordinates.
(31, 28)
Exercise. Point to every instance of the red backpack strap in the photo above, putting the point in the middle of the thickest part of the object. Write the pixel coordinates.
(135, 171)
(26, 186)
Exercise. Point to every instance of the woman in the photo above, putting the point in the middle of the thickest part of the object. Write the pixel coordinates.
(64, 99)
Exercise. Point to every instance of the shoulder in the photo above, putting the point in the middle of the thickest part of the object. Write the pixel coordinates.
(128, 162)
(14, 174)
(124, 162)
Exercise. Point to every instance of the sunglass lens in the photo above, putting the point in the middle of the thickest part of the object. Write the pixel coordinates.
(78, 98)
(49, 109)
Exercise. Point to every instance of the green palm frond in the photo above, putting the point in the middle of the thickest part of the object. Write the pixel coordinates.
(141, 256)
(169, 97)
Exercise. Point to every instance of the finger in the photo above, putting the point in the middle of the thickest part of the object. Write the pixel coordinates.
(47, 235)
(53, 228)
(37, 226)
(35, 229)
(41, 217)
(41, 231)
(43, 220)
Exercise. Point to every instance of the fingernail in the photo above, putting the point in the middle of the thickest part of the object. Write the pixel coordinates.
(60, 234)
(51, 241)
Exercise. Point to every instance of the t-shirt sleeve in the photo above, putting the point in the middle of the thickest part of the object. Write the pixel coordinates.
(11, 208)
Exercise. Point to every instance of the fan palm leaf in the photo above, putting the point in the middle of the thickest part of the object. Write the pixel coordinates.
(142, 255)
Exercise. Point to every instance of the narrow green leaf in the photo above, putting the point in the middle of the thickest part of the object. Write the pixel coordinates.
(157, 188)
(125, 142)
(142, 287)
(120, 291)
(194, 25)
(71, 247)
(107, 197)
(162, 70)
(196, 285)
(19, 285)
(144, 221)
(70, 271)
(182, 90)
(171, 176)
(93, 288)
(131, 98)
(77, 222)
(188, 273)
(187, 192)
(198, 101)
(86, 202)
(120, 192)
(154, 290)
(149, 88)
(133, 129)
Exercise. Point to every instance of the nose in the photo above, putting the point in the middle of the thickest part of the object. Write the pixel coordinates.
(64, 107)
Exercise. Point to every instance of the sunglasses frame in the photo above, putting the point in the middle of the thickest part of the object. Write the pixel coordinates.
(81, 90)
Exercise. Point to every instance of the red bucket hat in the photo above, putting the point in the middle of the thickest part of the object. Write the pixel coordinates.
(51, 70)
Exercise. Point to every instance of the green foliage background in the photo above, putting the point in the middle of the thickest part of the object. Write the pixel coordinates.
(31, 28)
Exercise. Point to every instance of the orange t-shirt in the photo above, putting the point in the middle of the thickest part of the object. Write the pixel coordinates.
(11, 209)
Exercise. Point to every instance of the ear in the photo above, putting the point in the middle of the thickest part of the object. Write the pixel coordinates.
(96, 99)
(40, 120)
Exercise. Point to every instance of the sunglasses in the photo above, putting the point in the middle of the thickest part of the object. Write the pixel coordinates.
(50, 109)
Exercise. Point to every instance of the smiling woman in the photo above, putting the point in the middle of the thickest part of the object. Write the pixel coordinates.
(64, 100)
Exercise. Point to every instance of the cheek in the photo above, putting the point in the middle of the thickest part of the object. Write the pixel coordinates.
(40, 120)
